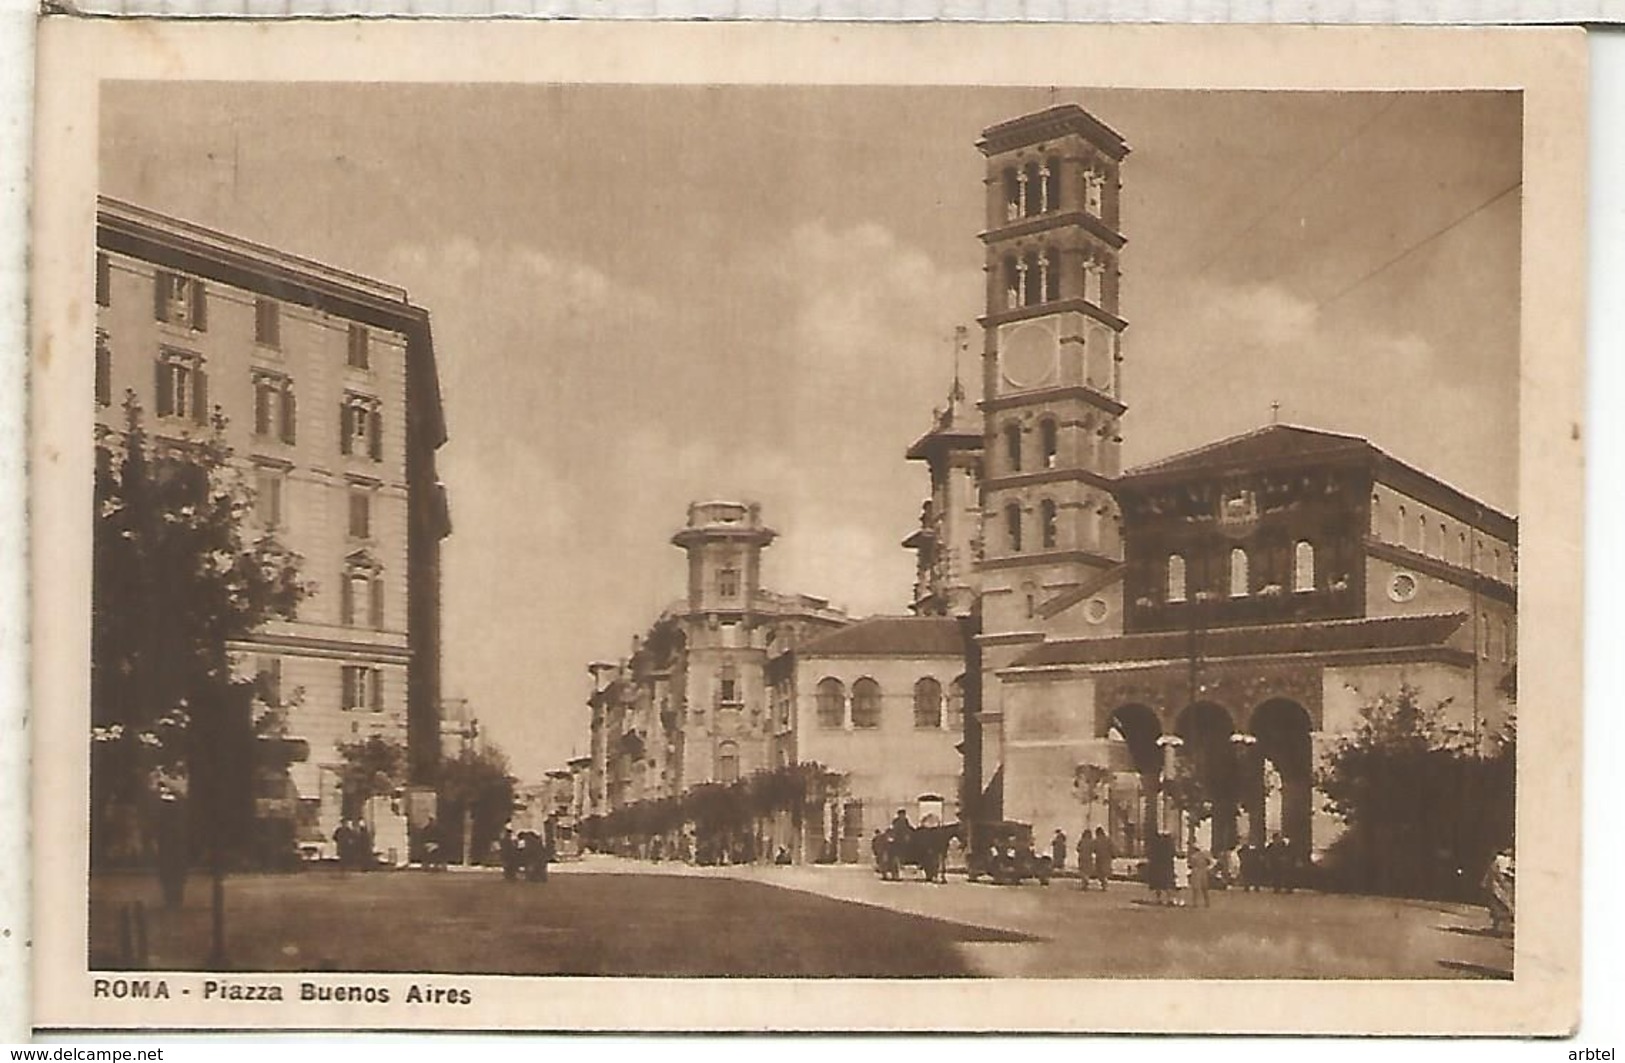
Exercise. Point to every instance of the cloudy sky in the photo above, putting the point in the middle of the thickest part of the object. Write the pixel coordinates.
(643, 296)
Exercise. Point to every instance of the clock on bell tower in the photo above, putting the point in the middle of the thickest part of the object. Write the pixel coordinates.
(1052, 355)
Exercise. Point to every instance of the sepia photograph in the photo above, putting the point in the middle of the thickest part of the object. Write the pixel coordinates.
(742, 531)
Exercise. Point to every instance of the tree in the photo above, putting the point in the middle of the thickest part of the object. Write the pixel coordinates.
(1089, 783)
(372, 767)
(176, 577)
(1426, 809)
(476, 788)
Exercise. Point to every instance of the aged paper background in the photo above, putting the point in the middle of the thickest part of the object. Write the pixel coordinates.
(1548, 65)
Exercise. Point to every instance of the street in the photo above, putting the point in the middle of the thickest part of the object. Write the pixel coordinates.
(603, 916)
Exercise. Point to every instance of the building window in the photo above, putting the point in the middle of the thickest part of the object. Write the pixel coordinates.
(1049, 443)
(831, 698)
(728, 684)
(1047, 523)
(1012, 195)
(728, 762)
(268, 680)
(1303, 566)
(267, 322)
(928, 704)
(1094, 282)
(104, 369)
(179, 300)
(1032, 287)
(360, 352)
(1049, 275)
(1012, 527)
(956, 704)
(1401, 528)
(275, 412)
(361, 427)
(361, 596)
(1421, 534)
(104, 281)
(1052, 184)
(1012, 284)
(865, 704)
(730, 634)
(360, 526)
(1012, 446)
(182, 386)
(268, 497)
(1238, 573)
(1176, 578)
(1376, 517)
(728, 583)
(1094, 193)
(1484, 636)
(1032, 191)
(1444, 542)
(363, 688)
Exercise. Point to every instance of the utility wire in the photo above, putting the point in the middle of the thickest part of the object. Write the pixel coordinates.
(1412, 249)
(1231, 242)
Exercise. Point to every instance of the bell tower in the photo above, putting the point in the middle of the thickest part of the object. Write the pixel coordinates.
(1052, 357)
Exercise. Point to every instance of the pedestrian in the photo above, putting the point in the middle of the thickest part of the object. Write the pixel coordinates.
(509, 847)
(1200, 863)
(1057, 851)
(1086, 856)
(1252, 872)
(1499, 885)
(1159, 867)
(1104, 853)
(173, 854)
(1275, 863)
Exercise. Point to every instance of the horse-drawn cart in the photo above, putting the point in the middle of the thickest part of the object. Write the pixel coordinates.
(1004, 853)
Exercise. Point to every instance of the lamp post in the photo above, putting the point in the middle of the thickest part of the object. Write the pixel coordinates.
(1244, 745)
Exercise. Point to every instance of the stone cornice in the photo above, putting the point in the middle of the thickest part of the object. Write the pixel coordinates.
(1040, 223)
(1094, 397)
(1056, 306)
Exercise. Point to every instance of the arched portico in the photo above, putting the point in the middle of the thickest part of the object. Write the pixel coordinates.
(1208, 763)
(1283, 754)
(1137, 728)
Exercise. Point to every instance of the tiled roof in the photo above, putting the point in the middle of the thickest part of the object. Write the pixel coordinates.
(1323, 637)
(1260, 445)
(899, 636)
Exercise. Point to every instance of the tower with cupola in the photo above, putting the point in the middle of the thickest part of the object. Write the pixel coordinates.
(1052, 360)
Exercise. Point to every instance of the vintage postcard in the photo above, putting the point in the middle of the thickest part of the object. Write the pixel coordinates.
(792, 527)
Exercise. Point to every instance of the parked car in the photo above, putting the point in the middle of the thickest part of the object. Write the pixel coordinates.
(1004, 852)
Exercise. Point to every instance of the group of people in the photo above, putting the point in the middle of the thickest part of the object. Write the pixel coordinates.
(1095, 855)
(1175, 879)
(353, 840)
(525, 854)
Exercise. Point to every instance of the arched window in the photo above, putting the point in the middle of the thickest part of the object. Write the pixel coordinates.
(1303, 566)
(727, 762)
(1401, 529)
(956, 704)
(865, 704)
(1421, 533)
(1495, 564)
(1049, 264)
(1012, 283)
(1376, 517)
(831, 703)
(1049, 444)
(1034, 190)
(1444, 542)
(1052, 183)
(1047, 523)
(1461, 556)
(1012, 195)
(1012, 527)
(1012, 446)
(1032, 288)
(1176, 578)
(1238, 573)
(928, 704)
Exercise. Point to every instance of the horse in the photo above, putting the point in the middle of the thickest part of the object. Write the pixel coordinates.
(924, 847)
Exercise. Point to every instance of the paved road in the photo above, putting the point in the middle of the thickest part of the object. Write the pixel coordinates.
(604, 916)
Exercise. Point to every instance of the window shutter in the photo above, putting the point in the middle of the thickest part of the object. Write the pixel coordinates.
(377, 676)
(200, 396)
(347, 600)
(376, 437)
(378, 603)
(103, 281)
(200, 307)
(166, 398)
(160, 296)
(290, 415)
(345, 413)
